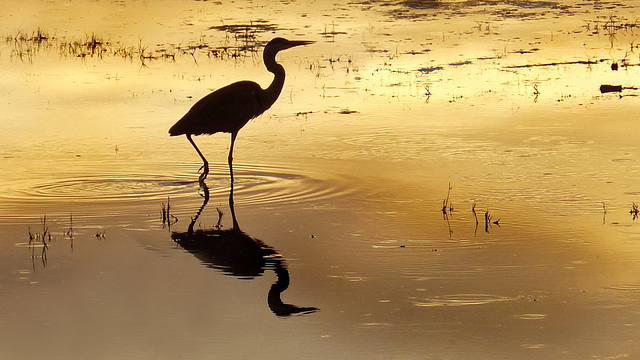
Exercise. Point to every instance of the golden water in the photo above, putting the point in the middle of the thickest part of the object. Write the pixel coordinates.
(344, 178)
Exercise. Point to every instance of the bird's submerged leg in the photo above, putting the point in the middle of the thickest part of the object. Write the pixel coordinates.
(232, 208)
(205, 163)
(233, 140)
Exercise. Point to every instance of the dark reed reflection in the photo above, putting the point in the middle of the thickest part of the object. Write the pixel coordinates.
(236, 253)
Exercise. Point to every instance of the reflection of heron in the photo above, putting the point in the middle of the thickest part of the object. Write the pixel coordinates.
(228, 109)
(238, 254)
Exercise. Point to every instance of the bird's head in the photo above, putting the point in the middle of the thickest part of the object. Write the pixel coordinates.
(278, 44)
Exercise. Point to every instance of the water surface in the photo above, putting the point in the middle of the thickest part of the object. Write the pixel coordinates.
(340, 186)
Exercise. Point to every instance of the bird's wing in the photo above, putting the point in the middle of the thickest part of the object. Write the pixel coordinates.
(225, 110)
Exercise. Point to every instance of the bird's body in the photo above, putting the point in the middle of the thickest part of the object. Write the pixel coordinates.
(229, 108)
(234, 106)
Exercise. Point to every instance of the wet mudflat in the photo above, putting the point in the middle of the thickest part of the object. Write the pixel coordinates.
(437, 180)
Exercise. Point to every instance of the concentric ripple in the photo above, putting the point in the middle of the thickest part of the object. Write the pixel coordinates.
(100, 187)
(264, 186)
(128, 194)
(459, 300)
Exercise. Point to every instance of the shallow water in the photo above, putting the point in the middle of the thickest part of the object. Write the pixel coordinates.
(339, 186)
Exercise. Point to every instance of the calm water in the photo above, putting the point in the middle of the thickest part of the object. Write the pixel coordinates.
(341, 247)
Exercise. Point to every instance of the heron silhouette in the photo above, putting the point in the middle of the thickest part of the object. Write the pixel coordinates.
(229, 108)
(236, 253)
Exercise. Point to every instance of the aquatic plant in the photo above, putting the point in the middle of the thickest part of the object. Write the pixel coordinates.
(39, 240)
(25, 45)
(473, 210)
(100, 234)
(488, 221)
(43, 238)
(167, 218)
(446, 203)
(329, 33)
(634, 211)
(69, 233)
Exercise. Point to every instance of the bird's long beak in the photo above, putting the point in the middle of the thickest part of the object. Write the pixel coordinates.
(293, 43)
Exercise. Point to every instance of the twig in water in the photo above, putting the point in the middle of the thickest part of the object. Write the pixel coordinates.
(167, 218)
(488, 221)
(427, 93)
(473, 210)
(634, 211)
(445, 202)
(40, 240)
(446, 217)
(69, 233)
(220, 213)
(100, 235)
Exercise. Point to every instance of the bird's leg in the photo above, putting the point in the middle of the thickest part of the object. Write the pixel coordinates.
(232, 208)
(205, 164)
(205, 188)
(233, 140)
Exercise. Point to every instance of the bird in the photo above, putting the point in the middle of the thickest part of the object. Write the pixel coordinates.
(236, 253)
(229, 108)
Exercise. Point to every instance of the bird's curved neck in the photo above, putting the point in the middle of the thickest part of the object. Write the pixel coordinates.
(275, 88)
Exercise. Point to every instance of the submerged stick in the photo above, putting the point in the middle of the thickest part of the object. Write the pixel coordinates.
(445, 202)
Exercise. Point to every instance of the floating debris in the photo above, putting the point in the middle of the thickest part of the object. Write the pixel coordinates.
(578, 62)
(460, 63)
(605, 88)
(610, 88)
(427, 70)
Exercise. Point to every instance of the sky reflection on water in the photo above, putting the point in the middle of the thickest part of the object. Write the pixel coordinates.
(345, 176)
